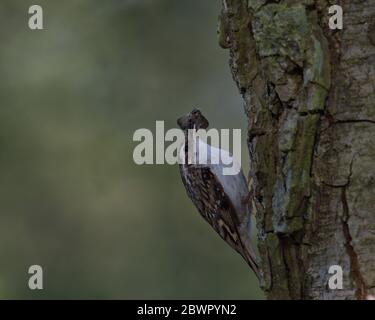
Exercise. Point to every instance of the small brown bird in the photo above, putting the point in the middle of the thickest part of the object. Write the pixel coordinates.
(219, 198)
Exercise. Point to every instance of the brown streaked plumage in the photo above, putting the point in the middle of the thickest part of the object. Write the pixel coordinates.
(219, 198)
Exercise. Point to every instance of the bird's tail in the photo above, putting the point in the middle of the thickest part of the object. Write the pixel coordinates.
(253, 263)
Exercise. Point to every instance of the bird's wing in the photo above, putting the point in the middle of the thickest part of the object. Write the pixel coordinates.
(216, 207)
(212, 202)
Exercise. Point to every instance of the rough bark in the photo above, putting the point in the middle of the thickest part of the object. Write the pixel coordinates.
(309, 95)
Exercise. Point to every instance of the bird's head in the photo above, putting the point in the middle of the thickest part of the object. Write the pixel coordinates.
(193, 120)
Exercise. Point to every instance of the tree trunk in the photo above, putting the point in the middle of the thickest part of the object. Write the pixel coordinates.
(309, 95)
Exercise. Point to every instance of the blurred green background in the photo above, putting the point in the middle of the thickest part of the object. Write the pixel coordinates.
(71, 198)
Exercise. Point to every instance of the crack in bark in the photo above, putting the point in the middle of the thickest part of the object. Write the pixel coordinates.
(355, 271)
(256, 132)
(310, 112)
(361, 292)
(286, 265)
(355, 121)
(332, 121)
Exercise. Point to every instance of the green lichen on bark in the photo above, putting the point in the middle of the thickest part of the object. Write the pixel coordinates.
(294, 56)
(280, 61)
(235, 20)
